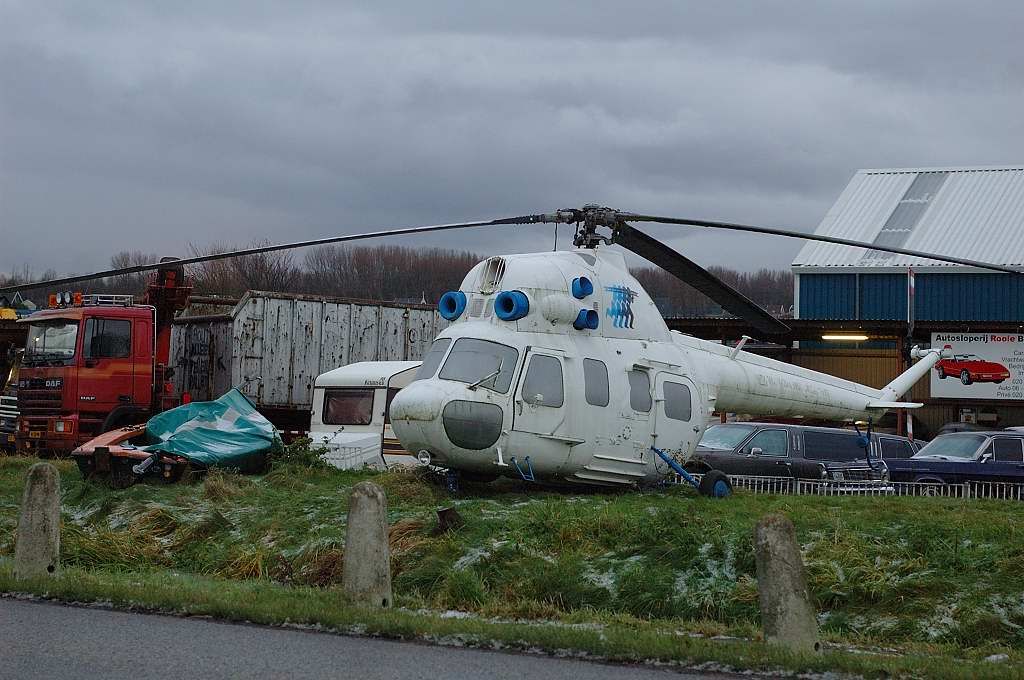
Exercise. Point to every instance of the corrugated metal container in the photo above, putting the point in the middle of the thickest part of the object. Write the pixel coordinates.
(974, 213)
(288, 340)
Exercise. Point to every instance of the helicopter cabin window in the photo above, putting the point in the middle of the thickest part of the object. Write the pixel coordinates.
(595, 382)
(348, 407)
(481, 363)
(433, 359)
(543, 384)
(108, 338)
(639, 391)
(677, 401)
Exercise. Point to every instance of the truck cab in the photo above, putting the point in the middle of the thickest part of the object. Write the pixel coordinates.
(9, 402)
(88, 367)
(350, 414)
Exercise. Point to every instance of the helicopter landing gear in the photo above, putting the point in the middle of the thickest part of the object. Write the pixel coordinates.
(451, 481)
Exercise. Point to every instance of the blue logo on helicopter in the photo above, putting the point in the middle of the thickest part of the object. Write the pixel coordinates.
(621, 309)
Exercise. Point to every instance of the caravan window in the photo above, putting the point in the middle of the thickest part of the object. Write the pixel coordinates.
(348, 406)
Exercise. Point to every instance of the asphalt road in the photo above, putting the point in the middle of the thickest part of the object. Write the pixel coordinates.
(44, 640)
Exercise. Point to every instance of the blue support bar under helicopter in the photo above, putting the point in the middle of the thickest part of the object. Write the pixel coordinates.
(676, 467)
(528, 475)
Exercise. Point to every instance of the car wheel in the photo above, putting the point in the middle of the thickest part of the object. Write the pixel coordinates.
(715, 484)
(965, 377)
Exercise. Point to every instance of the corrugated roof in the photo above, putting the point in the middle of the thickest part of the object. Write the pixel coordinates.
(977, 213)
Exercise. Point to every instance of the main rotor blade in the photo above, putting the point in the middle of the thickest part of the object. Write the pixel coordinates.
(526, 219)
(816, 237)
(692, 274)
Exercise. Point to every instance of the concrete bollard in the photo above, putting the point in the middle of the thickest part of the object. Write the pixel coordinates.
(37, 547)
(366, 574)
(787, 615)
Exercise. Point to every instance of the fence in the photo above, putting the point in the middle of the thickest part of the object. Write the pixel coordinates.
(807, 487)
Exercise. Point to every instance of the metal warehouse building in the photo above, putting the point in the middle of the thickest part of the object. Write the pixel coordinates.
(975, 213)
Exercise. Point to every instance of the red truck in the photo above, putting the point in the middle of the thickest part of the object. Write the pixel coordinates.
(94, 363)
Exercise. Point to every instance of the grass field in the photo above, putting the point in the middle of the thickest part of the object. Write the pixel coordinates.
(929, 577)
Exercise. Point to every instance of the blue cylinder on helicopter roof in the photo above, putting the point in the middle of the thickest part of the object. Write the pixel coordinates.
(587, 319)
(511, 305)
(452, 304)
(582, 287)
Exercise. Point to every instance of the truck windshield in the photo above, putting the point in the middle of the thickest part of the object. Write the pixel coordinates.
(49, 341)
(481, 362)
(952, 446)
(725, 437)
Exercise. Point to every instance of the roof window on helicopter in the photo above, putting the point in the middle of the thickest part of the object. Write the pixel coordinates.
(639, 391)
(481, 363)
(543, 384)
(595, 382)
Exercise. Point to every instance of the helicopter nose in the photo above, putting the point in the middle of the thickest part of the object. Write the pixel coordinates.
(436, 416)
(416, 416)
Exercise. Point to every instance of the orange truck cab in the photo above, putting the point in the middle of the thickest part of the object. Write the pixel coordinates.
(94, 363)
(87, 368)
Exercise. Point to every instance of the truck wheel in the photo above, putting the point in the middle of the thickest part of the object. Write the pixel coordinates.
(965, 377)
(121, 475)
(85, 466)
(715, 484)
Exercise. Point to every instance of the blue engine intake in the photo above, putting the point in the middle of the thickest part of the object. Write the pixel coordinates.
(452, 304)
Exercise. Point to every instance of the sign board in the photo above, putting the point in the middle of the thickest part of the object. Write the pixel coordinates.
(983, 366)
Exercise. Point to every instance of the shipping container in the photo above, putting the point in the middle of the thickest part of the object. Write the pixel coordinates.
(275, 345)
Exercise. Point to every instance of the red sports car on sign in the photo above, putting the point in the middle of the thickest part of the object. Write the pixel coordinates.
(971, 368)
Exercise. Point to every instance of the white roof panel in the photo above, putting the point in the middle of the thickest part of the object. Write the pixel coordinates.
(977, 214)
(364, 373)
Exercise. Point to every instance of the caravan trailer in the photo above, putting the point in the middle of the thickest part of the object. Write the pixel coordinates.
(350, 414)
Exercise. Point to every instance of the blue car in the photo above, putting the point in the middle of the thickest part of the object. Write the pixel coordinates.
(960, 457)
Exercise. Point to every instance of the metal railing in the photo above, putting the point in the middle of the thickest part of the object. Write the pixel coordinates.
(808, 487)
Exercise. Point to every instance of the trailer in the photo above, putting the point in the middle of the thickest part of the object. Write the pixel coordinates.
(274, 345)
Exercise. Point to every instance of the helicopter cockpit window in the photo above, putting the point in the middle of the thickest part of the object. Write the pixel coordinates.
(433, 359)
(595, 382)
(481, 363)
(639, 391)
(543, 384)
(677, 401)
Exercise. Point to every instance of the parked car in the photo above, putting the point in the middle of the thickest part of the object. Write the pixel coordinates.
(996, 456)
(971, 368)
(798, 451)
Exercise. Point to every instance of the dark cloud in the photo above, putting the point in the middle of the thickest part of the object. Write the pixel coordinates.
(150, 126)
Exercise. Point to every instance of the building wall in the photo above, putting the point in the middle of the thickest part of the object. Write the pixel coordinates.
(937, 296)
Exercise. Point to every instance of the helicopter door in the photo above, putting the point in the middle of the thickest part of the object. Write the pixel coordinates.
(677, 415)
(540, 423)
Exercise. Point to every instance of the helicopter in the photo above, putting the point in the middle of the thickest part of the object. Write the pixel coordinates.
(557, 366)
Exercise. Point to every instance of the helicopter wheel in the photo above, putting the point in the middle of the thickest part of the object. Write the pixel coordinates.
(715, 484)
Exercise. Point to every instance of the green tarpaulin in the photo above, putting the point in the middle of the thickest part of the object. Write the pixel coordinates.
(227, 432)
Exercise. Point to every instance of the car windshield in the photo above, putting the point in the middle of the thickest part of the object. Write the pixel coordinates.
(725, 437)
(967, 357)
(54, 340)
(952, 446)
(481, 362)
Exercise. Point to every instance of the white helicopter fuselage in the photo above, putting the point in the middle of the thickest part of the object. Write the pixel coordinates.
(523, 384)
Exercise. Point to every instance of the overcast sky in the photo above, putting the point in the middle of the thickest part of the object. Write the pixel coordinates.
(151, 125)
